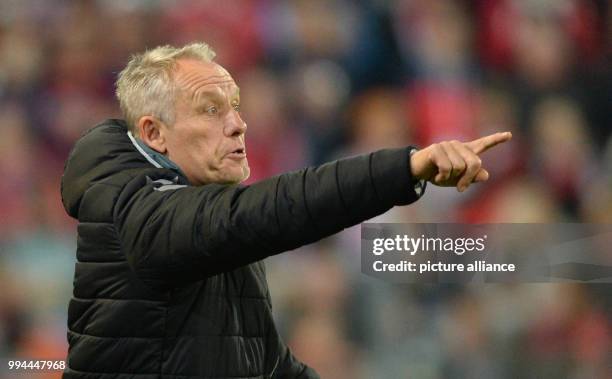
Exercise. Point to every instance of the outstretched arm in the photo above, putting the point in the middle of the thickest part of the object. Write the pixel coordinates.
(177, 235)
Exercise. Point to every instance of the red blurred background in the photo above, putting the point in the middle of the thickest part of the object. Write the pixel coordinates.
(321, 80)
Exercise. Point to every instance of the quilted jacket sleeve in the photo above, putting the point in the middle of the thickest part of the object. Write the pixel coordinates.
(175, 234)
(291, 368)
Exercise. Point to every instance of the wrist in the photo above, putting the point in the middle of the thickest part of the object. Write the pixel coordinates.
(418, 182)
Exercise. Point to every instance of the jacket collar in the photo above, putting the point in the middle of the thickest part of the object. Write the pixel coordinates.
(155, 158)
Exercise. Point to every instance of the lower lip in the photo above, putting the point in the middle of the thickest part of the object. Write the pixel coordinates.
(236, 156)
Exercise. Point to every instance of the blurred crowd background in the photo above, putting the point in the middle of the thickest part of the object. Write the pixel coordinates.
(321, 80)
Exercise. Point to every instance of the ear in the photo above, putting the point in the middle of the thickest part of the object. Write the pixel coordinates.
(152, 131)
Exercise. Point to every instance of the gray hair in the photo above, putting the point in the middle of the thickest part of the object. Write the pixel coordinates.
(145, 87)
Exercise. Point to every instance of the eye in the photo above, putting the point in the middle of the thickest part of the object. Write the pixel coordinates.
(212, 110)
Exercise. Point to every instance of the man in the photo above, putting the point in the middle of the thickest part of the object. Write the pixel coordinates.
(169, 280)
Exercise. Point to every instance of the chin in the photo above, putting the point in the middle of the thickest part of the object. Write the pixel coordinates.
(246, 174)
(237, 177)
(226, 175)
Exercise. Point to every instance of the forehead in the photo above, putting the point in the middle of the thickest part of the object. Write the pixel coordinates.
(197, 77)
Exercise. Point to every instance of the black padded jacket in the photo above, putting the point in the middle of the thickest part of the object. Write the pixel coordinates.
(169, 280)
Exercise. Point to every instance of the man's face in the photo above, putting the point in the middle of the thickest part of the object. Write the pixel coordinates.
(207, 138)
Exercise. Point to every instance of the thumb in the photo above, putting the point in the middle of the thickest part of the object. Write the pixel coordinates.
(481, 176)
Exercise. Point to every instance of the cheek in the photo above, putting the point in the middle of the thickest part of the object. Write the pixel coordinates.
(197, 147)
(209, 156)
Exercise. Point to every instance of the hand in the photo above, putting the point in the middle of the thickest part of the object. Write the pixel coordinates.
(454, 163)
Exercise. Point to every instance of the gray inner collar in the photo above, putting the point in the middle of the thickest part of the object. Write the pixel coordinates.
(156, 159)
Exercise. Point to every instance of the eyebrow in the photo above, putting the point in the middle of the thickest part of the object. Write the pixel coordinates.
(201, 96)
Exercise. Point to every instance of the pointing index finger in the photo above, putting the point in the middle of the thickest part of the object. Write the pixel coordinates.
(480, 145)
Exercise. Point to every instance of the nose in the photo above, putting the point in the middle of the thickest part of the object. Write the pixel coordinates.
(234, 125)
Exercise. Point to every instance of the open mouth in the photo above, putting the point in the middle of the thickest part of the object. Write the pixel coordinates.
(238, 153)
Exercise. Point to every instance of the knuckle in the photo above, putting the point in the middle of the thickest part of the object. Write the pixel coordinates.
(473, 163)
